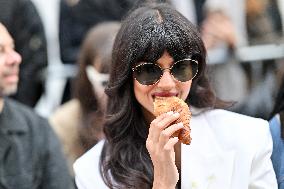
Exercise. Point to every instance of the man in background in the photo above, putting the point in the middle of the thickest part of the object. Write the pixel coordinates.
(30, 154)
(24, 23)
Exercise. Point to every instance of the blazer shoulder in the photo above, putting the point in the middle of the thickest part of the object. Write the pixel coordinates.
(87, 168)
(248, 130)
(90, 159)
(235, 119)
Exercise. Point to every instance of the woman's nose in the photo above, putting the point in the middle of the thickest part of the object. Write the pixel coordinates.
(166, 81)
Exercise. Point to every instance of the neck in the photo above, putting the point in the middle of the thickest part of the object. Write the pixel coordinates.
(178, 155)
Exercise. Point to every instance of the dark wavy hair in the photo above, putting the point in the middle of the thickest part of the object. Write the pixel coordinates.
(145, 35)
(95, 50)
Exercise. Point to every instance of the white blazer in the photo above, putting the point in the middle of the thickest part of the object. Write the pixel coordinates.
(228, 151)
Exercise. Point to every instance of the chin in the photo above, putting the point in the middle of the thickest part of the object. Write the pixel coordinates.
(10, 90)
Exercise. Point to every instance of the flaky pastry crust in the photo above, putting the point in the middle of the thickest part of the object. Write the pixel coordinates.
(175, 104)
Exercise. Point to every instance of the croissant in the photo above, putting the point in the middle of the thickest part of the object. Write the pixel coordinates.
(175, 104)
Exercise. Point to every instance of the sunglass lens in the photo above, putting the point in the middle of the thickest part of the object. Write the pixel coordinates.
(147, 74)
(184, 70)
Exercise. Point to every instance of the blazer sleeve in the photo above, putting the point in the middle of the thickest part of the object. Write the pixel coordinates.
(80, 179)
(262, 173)
(79, 182)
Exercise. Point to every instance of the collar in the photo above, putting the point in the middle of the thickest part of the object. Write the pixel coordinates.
(12, 119)
(197, 111)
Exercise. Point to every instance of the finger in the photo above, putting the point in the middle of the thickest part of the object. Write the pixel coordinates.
(169, 146)
(162, 116)
(167, 120)
(155, 121)
(168, 132)
(160, 124)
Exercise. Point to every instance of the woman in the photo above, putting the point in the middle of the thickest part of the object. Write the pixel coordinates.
(78, 122)
(158, 52)
(277, 131)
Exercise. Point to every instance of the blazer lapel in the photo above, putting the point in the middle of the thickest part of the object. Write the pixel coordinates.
(205, 164)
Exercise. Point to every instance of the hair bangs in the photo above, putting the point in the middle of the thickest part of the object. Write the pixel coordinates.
(163, 33)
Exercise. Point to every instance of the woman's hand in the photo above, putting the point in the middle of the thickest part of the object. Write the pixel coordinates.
(160, 146)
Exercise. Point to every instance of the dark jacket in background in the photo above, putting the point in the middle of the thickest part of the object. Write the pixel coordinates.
(25, 26)
(30, 153)
(76, 20)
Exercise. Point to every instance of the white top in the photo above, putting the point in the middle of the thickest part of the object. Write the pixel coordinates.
(228, 151)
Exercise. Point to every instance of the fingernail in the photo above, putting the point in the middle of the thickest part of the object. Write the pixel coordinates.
(170, 112)
(176, 114)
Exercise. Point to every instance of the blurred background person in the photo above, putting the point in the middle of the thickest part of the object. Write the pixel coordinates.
(78, 122)
(277, 131)
(77, 17)
(263, 21)
(30, 153)
(223, 31)
(25, 25)
(264, 70)
(231, 36)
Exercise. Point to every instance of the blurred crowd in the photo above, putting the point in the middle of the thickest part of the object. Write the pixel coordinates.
(237, 40)
(66, 46)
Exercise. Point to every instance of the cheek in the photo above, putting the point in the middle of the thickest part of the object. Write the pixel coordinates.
(2, 68)
(140, 90)
(143, 94)
(185, 88)
(2, 61)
